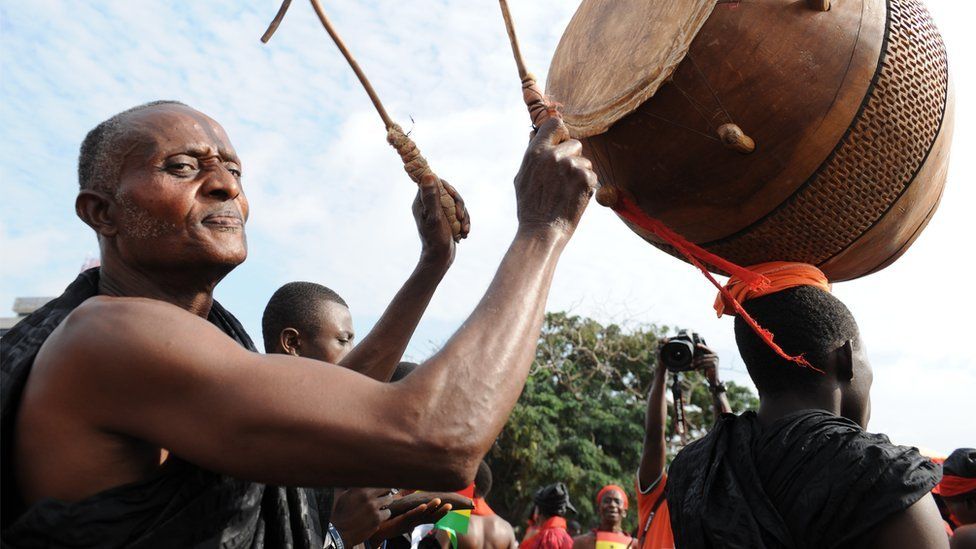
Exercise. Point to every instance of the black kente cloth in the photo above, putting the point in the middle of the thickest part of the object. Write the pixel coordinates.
(182, 505)
(810, 479)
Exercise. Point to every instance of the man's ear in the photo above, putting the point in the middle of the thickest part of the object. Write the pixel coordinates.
(290, 341)
(844, 357)
(97, 210)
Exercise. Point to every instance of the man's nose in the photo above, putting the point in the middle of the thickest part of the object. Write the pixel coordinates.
(222, 184)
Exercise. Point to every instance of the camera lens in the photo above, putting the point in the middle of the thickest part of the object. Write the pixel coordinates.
(677, 354)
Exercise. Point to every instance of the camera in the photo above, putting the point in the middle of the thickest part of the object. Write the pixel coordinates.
(679, 352)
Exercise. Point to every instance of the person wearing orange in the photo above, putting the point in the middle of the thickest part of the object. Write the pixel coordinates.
(802, 471)
(553, 503)
(612, 504)
(653, 516)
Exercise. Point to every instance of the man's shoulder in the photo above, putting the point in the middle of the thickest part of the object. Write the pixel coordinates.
(102, 318)
(105, 331)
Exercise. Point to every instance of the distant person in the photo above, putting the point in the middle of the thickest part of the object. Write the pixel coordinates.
(653, 516)
(612, 504)
(802, 472)
(486, 530)
(553, 504)
(310, 320)
(958, 487)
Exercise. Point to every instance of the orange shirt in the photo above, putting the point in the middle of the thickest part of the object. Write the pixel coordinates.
(659, 534)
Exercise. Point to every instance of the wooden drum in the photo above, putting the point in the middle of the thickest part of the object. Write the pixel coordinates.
(765, 130)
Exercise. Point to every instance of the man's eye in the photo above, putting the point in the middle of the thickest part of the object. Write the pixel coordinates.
(181, 168)
(234, 170)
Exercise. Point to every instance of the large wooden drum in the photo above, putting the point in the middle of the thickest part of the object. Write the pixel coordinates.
(765, 130)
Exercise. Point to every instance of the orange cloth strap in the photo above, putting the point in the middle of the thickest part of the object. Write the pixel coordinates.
(781, 275)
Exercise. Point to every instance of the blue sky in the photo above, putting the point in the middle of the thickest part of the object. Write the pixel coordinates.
(330, 203)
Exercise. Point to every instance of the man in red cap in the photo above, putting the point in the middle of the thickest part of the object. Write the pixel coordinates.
(612, 504)
(802, 472)
(958, 487)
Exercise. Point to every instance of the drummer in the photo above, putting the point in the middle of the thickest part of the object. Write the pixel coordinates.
(137, 357)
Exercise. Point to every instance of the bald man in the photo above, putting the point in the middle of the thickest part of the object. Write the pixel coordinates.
(137, 357)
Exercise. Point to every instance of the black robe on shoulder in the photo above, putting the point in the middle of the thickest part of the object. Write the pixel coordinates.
(182, 505)
(808, 480)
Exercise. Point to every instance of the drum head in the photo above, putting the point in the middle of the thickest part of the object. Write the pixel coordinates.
(615, 54)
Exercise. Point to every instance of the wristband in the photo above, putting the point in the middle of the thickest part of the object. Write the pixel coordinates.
(717, 388)
(334, 540)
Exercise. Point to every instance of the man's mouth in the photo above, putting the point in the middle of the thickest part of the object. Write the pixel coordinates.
(224, 219)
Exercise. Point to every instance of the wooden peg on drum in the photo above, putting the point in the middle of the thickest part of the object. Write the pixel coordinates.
(734, 138)
(819, 5)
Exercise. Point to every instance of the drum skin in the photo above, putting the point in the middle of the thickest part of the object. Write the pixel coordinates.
(851, 114)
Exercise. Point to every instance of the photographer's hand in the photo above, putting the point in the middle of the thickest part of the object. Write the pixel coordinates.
(706, 361)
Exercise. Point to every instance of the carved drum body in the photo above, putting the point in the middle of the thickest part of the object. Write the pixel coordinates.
(850, 111)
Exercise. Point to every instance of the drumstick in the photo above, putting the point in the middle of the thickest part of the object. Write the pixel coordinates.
(540, 107)
(413, 162)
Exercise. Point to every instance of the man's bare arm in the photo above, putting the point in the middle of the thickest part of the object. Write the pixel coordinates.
(920, 526)
(654, 454)
(380, 351)
(149, 370)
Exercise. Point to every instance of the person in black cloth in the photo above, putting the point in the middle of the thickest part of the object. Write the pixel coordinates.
(136, 361)
(802, 472)
(553, 504)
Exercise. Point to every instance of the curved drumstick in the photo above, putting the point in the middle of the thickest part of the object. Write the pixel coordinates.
(540, 107)
(415, 164)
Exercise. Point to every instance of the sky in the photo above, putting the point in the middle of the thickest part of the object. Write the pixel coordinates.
(331, 204)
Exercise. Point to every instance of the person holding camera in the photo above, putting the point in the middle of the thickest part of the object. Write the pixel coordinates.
(684, 352)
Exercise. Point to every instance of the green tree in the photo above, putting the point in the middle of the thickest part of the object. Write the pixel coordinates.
(580, 419)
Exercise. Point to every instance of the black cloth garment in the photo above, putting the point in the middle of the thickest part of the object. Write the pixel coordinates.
(808, 480)
(182, 505)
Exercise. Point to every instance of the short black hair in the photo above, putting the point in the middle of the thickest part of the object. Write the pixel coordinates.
(804, 320)
(294, 305)
(402, 370)
(482, 480)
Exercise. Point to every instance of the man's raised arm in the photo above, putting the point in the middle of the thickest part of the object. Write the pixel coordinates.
(174, 380)
(380, 351)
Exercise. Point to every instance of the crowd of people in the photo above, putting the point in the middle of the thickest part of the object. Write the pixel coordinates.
(137, 412)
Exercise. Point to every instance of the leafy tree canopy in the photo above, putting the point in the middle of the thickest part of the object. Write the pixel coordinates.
(580, 419)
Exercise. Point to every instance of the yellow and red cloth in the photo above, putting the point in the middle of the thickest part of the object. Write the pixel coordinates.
(612, 540)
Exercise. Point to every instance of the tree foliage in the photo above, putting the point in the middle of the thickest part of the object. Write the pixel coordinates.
(580, 419)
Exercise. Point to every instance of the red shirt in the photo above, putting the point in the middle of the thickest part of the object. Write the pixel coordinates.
(552, 534)
(659, 534)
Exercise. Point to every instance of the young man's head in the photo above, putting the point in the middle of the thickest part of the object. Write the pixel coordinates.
(308, 320)
(612, 504)
(809, 321)
(958, 485)
(160, 184)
